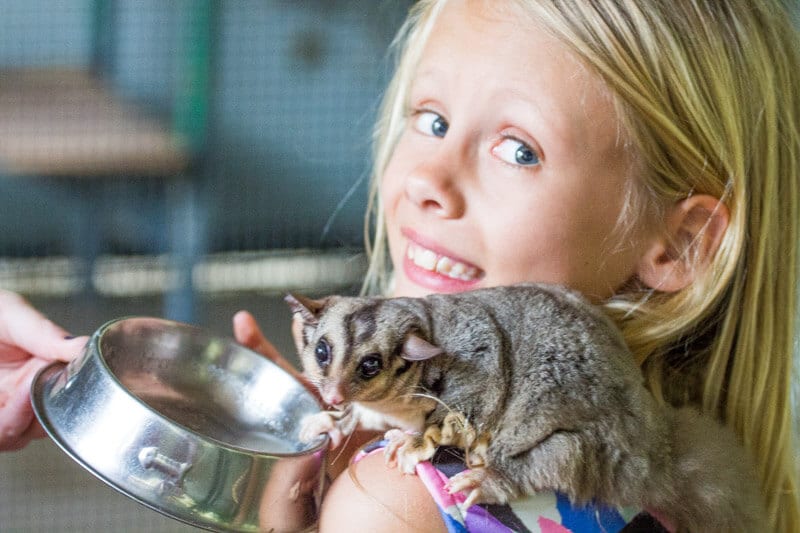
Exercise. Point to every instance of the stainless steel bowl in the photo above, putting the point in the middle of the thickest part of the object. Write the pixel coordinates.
(196, 427)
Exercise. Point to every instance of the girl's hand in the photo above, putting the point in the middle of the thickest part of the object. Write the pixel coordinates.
(247, 333)
(28, 342)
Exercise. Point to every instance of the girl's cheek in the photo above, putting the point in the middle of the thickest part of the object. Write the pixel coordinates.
(391, 186)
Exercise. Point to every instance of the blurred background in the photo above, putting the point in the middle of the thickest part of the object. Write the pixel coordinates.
(183, 159)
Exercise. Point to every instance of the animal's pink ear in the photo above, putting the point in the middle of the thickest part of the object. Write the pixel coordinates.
(416, 348)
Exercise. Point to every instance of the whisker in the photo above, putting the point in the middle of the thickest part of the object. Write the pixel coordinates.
(342, 448)
(431, 397)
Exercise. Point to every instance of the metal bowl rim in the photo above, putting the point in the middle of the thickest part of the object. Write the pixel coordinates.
(93, 346)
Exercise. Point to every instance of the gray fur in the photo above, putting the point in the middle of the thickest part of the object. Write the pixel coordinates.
(550, 379)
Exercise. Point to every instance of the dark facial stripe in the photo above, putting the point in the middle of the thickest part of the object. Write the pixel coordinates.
(361, 324)
(403, 369)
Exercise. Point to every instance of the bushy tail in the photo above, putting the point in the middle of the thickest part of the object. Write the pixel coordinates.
(711, 483)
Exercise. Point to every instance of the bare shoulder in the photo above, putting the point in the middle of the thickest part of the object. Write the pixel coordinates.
(372, 497)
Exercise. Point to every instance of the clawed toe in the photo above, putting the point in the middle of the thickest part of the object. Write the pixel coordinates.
(467, 481)
(474, 497)
(396, 439)
(313, 426)
(325, 422)
(406, 450)
(407, 462)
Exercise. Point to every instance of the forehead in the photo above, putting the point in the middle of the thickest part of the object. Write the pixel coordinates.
(355, 321)
(493, 52)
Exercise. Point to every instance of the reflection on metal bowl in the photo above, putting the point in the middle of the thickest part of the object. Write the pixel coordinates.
(196, 427)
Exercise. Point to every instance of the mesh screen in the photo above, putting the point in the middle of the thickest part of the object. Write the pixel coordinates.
(185, 127)
(153, 150)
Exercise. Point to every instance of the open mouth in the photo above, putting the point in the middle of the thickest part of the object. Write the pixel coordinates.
(441, 264)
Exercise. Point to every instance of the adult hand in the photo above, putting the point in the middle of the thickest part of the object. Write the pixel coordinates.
(28, 342)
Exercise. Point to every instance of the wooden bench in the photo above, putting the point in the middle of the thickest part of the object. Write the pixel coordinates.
(67, 123)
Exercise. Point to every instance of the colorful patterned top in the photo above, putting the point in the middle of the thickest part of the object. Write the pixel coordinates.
(545, 512)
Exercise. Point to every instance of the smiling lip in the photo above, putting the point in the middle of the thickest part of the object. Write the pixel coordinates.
(435, 268)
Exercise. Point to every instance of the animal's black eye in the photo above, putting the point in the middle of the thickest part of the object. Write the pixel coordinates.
(370, 366)
(323, 353)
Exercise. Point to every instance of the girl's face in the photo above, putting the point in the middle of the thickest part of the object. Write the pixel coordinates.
(510, 167)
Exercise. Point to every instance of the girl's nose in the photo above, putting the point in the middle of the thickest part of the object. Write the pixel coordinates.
(434, 189)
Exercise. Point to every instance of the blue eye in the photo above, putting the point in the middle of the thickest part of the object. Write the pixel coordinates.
(516, 152)
(430, 123)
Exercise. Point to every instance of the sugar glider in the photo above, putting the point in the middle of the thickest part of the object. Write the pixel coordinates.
(539, 388)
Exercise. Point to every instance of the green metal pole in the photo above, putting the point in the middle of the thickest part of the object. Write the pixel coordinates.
(101, 35)
(194, 71)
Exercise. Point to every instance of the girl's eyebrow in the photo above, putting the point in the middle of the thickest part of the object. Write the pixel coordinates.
(524, 106)
(429, 77)
(557, 123)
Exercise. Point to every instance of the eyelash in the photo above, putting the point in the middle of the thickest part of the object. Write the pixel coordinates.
(417, 115)
(522, 146)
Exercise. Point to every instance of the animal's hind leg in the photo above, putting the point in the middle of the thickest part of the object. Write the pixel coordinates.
(481, 485)
(564, 461)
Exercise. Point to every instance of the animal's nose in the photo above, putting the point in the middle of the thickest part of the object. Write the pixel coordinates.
(333, 396)
(334, 400)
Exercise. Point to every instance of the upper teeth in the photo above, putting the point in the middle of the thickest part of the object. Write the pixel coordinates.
(429, 260)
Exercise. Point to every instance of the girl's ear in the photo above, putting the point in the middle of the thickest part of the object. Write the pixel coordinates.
(694, 230)
(415, 348)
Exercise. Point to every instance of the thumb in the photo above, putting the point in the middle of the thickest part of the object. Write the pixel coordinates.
(67, 348)
(24, 327)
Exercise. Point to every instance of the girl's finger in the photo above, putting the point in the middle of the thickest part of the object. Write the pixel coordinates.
(17, 422)
(247, 332)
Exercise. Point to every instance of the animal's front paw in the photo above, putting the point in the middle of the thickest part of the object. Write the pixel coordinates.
(395, 438)
(407, 450)
(312, 426)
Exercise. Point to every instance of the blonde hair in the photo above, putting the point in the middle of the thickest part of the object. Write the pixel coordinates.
(708, 96)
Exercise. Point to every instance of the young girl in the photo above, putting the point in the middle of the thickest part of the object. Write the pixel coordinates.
(645, 153)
